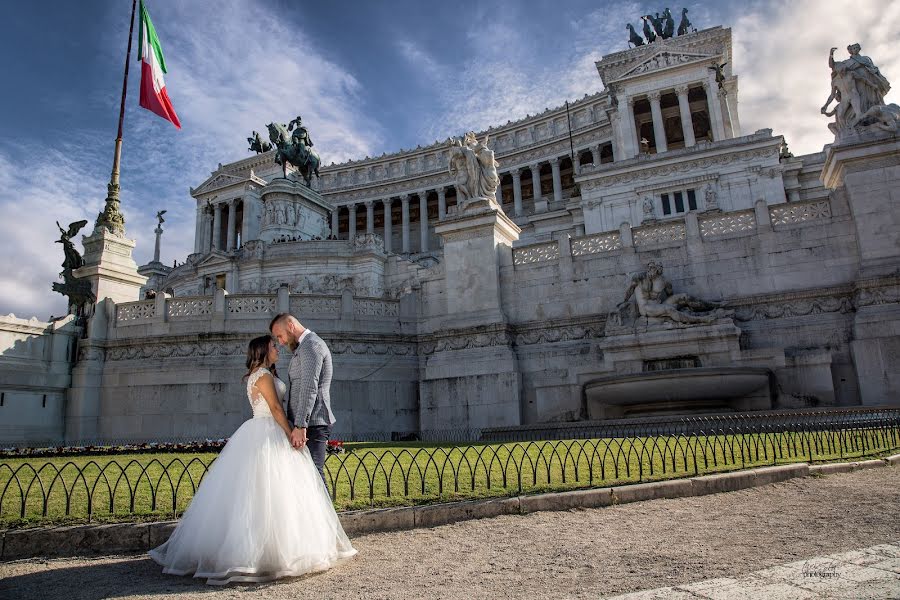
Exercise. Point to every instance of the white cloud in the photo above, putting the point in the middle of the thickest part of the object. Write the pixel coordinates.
(781, 59)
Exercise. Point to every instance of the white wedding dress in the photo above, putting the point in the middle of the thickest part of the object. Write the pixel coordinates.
(260, 513)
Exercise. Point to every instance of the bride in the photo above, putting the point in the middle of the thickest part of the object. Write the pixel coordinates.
(262, 511)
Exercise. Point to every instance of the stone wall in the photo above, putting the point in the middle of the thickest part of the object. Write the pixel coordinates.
(35, 365)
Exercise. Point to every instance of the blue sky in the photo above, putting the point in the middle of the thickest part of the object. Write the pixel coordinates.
(368, 77)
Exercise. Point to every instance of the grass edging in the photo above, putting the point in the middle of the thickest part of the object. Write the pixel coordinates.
(137, 537)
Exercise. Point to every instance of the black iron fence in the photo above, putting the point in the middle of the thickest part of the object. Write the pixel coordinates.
(91, 487)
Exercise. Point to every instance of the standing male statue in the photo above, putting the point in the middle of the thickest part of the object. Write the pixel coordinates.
(859, 89)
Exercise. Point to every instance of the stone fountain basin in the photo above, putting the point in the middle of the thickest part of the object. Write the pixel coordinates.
(673, 390)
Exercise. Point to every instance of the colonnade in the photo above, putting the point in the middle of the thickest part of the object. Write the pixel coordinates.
(210, 220)
(715, 97)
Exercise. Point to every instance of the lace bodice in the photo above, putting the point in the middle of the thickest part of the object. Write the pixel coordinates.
(257, 401)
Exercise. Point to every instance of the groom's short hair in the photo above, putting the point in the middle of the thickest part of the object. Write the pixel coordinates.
(279, 318)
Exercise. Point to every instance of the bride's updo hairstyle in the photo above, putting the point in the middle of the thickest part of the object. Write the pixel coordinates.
(256, 354)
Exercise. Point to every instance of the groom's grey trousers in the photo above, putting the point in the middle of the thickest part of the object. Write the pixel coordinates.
(317, 442)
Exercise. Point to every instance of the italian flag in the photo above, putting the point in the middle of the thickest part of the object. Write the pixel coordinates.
(153, 65)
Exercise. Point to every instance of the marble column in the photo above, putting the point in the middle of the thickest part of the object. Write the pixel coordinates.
(387, 224)
(217, 227)
(595, 154)
(404, 204)
(370, 216)
(659, 128)
(498, 193)
(687, 124)
(517, 191)
(232, 224)
(352, 222)
(557, 181)
(442, 203)
(715, 110)
(334, 221)
(632, 145)
(423, 221)
(536, 181)
(198, 229)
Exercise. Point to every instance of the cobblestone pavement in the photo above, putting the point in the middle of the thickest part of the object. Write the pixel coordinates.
(816, 537)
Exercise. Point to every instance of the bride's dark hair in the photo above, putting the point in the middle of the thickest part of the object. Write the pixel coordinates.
(256, 354)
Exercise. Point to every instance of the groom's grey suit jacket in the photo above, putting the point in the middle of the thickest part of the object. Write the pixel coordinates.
(309, 395)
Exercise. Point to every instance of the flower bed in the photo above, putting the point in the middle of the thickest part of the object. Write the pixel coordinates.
(198, 446)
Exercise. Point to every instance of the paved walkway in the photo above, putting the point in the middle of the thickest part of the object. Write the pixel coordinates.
(753, 543)
(872, 572)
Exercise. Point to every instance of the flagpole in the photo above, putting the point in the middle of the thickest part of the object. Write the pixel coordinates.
(111, 218)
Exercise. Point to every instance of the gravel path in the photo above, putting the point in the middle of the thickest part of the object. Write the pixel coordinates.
(575, 554)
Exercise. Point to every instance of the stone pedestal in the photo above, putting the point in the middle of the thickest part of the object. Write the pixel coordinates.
(471, 376)
(109, 267)
(476, 245)
(83, 406)
(866, 167)
(876, 350)
(291, 209)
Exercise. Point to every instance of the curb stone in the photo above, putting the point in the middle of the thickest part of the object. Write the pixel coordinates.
(140, 537)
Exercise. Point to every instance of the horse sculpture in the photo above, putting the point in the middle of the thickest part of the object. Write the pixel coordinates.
(300, 155)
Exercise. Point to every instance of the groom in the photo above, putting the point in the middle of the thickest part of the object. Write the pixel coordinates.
(309, 392)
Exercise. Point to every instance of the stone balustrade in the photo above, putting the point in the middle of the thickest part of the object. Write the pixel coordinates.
(708, 227)
(135, 311)
(663, 233)
(252, 306)
(536, 253)
(793, 213)
(739, 222)
(594, 244)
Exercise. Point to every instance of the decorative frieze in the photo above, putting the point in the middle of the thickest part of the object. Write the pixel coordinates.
(465, 341)
(135, 311)
(658, 234)
(799, 212)
(728, 223)
(145, 351)
(594, 244)
(529, 255)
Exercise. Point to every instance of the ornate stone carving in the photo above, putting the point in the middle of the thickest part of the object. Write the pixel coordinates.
(376, 308)
(537, 253)
(474, 171)
(371, 242)
(799, 212)
(594, 244)
(465, 341)
(315, 304)
(250, 304)
(733, 222)
(558, 334)
(135, 311)
(655, 301)
(859, 89)
(189, 307)
(658, 234)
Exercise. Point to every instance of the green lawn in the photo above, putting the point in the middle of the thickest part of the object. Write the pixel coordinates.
(158, 486)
